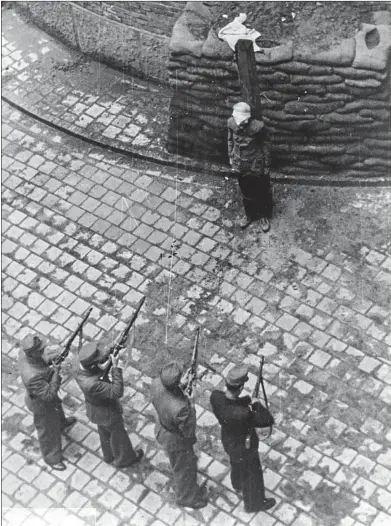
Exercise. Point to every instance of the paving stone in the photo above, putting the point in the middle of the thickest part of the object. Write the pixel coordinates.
(141, 518)
(14, 463)
(25, 494)
(10, 483)
(109, 499)
(152, 502)
(44, 481)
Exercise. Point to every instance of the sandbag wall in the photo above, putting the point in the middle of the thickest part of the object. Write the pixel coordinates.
(328, 112)
(204, 91)
(327, 119)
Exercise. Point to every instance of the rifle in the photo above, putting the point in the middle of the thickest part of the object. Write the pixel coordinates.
(59, 359)
(256, 389)
(208, 368)
(121, 341)
(193, 367)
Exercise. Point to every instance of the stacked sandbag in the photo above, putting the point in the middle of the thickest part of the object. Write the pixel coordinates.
(328, 112)
(204, 79)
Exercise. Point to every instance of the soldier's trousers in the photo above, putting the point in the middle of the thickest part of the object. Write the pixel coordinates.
(184, 467)
(116, 445)
(49, 426)
(247, 476)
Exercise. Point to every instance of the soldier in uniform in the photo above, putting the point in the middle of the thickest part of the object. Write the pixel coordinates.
(249, 156)
(175, 432)
(238, 418)
(42, 384)
(103, 406)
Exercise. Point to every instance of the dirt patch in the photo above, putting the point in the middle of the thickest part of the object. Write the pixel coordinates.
(310, 25)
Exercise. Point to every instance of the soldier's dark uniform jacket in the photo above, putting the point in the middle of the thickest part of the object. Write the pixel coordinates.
(103, 406)
(102, 397)
(176, 423)
(238, 420)
(42, 384)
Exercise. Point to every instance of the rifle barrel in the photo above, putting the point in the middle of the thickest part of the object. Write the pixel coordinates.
(122, 339)
(193, 365)
(67, 348)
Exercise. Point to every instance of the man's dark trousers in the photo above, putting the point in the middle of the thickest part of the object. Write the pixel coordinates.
(247, 476)
(184, 466)
(115, 443)
(49, 425)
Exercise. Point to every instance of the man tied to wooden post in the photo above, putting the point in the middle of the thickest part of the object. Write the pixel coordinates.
(249, 156)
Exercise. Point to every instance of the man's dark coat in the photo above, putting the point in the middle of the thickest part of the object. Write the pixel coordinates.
(42, 385)
(175, 432)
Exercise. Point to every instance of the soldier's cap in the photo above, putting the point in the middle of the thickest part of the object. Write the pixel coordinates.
(171, 374)
(93, 353)
(33, 344)
(237, 376)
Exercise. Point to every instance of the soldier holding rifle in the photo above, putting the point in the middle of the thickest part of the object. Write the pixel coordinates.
(102, 397)
(42, 384)
(239, 417)
(175, 428)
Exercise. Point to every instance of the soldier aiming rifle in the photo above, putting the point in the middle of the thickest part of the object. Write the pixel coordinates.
(102, 396)
(175, 429)
(42, 384)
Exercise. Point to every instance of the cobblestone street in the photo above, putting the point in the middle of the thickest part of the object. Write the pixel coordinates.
(84, 226)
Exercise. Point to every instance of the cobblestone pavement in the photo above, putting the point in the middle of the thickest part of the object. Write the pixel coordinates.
(85, 98)
(83, 227)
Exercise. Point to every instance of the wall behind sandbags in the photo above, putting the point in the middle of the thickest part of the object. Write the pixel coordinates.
(135, 40)
(328, 112)
(155, 17)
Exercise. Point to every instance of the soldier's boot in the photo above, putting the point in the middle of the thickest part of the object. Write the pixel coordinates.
(69, 422)
(59, 466)
(265, 505)
(198, 504)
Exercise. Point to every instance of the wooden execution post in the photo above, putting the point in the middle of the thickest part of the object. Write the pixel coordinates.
(249, 89)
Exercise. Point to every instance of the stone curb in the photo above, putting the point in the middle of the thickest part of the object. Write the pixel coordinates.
(192, 165)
